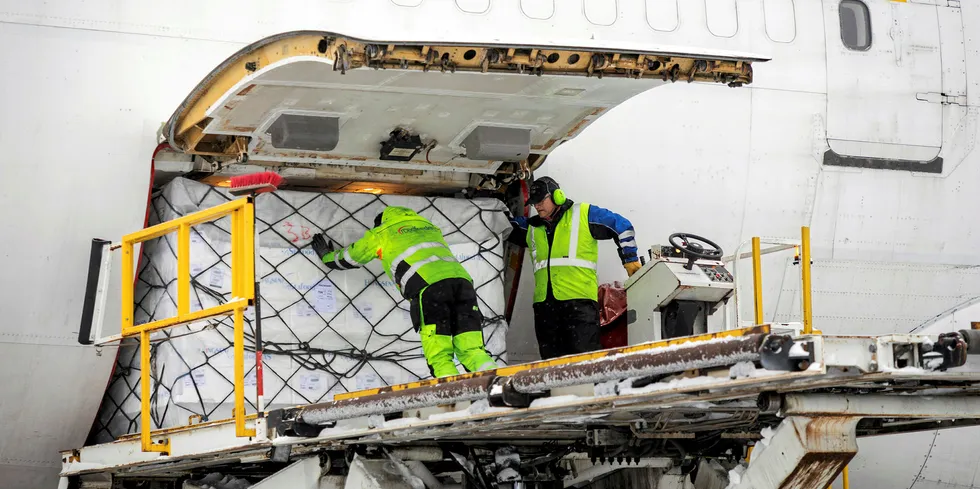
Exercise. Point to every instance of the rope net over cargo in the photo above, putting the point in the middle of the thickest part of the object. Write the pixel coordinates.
(323, 331)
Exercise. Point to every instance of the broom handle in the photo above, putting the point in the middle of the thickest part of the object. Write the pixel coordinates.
(259, 383)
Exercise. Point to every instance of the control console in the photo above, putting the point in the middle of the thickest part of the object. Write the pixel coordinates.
(716, 273)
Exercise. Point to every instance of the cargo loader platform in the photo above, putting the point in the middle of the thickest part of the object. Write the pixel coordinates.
(669, 406)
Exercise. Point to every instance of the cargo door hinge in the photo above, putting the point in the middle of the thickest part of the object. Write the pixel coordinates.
(941, 98)
(938, 3)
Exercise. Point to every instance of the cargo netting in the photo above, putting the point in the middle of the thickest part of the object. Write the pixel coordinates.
(324, 332)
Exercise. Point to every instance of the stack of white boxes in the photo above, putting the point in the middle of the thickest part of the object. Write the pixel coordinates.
(330, 331)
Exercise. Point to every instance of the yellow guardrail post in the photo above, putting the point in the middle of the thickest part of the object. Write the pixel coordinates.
(127, 287)
(145, 393)
(183, 270)
(240, 212)
(250, 290)
(239, 259)
(757, 277)
(807, 298)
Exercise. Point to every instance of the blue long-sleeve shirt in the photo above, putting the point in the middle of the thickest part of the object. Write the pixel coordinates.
(603, 224)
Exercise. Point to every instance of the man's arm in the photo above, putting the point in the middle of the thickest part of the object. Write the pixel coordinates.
(518, 233)
(354, 256)
(605, 224)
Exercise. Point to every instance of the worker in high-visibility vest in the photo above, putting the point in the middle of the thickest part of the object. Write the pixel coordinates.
(563, 240)
(440, 292)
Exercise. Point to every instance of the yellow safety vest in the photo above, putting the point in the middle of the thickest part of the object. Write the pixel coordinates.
(570, 262)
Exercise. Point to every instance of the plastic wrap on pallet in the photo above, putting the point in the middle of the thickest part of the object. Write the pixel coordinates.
(324, 332)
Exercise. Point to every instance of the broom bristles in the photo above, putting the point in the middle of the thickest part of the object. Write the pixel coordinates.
(255, 183)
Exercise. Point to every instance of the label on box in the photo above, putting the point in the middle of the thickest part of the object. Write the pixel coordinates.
(324, 298)
(367, 381)
(198, 379)
(311, 382)
(217, 277)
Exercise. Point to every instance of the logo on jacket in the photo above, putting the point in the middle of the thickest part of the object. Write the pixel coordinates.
(416, 229)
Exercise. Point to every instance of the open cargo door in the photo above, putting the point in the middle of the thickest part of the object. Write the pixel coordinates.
(402, 117)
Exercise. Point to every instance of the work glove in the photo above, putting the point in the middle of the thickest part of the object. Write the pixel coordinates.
(632, 267)
(321, 246)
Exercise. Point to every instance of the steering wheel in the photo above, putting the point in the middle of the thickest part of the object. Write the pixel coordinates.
(688, 245)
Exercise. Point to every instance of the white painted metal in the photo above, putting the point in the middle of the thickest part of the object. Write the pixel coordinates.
(302, 474)
(879, 406)
(64, 184)
(662, 281)
(863, 118)
(102, 291)
(418, 469)
(830, 355)
(379, 474)
(892, 249)
(209, 439)
(670, 280)
(442, 108)
(781, 244)
(782, 461)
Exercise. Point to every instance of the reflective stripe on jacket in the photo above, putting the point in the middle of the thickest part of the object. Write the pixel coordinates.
(569, 261)
(412, 250)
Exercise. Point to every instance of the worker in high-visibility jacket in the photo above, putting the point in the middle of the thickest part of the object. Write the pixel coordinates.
(563, 240)
(440, 292)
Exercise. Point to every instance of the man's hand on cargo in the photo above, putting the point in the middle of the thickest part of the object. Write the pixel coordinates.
(631, 267)
(321, 246)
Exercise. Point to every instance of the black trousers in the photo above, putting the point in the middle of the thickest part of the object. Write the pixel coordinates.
(449, 323)
(450, 304)
(566, 327)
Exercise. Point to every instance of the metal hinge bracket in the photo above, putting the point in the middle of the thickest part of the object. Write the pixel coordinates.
(941, 98)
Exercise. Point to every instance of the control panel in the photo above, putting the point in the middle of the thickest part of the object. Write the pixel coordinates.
(657, 294)
(666, 252)
(716, 273)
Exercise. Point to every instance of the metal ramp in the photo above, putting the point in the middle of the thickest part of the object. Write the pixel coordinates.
(665, 407)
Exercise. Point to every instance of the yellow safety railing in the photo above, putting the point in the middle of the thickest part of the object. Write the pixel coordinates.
(756, 254)
(242, 217)
(806, 292)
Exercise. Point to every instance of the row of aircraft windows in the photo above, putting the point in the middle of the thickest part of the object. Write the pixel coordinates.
(722, 16)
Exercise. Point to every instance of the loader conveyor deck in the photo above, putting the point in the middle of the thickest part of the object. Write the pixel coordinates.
(681, 389)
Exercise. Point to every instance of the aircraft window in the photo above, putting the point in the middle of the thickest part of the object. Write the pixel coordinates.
(538, 9)
(855, 25)
(722, 17)
(601, 12)
(662, 15)
(780, 20)
(473, 6)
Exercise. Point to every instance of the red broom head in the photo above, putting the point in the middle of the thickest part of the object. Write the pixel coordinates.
(255, 183)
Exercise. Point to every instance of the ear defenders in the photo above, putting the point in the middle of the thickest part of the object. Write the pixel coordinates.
(558, 196)
(544, 187)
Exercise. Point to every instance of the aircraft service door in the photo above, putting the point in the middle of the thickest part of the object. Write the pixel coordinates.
(883, 59)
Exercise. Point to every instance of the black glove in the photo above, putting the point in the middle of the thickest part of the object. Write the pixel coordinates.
(321, 246)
